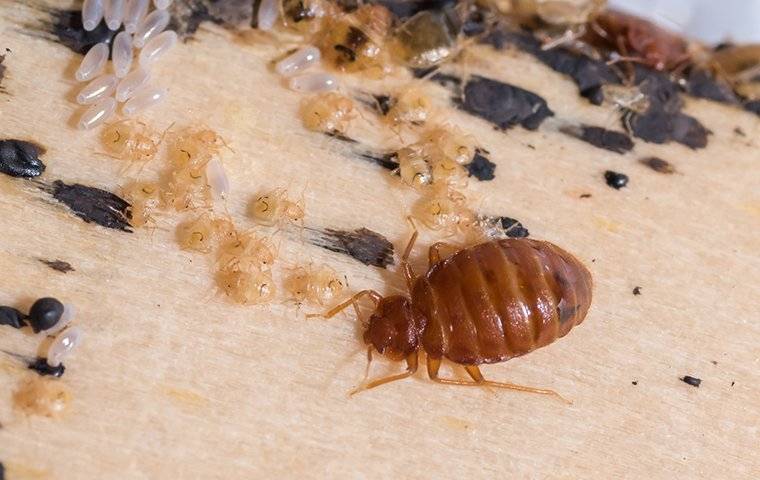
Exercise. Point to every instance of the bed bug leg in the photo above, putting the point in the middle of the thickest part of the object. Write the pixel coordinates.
(408, 272)
(434, 254)
(433, 364)
(411, 368)
(373, 296)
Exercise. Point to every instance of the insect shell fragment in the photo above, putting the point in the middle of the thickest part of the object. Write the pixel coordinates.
(321, 285)
(328, 112)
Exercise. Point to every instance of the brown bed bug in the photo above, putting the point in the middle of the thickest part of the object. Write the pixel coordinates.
(484, 304)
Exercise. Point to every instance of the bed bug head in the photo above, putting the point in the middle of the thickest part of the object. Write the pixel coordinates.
(395, 327)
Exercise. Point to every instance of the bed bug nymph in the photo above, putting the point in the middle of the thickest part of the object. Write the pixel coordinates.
(483, 304)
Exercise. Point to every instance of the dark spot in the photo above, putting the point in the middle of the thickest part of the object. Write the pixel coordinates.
(21, 159)
(384, 103)
(41, 366)
(2, 468)
(12, 317)
(702, 84)
(693, 381)
(740, 132)
(566, 313)
(637, 290)
(45, 314)
(714, 362)
(512, 228)
(502, 104)
(341, 137)
(615, 180)
(532, 147)
(385, 160)
(599, 137)
(58, 265)
(481, 167)
(188, 15)
(366, 246)
(733, 383)
(753, 106)
(635, 382)
(585, 195)
(2, 73)
(408, 8)
(92, 204)
(590, 75)
(451, 82)
(348, 55)
(66, 28)
(658, 165)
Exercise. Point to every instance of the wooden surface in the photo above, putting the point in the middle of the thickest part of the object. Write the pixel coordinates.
(175, 382)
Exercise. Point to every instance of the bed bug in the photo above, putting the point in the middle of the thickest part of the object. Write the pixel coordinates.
(444, 209)
(202, 234)
(639, 40)
(411, 106)
(253, 287)
(131, 140)
(318, 285)
(484, 304)
(144, 200)
(349, 46)
(246, 252)
(274, 208)
(328, 112)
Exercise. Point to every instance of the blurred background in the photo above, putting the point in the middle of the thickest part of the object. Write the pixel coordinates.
(711, 21)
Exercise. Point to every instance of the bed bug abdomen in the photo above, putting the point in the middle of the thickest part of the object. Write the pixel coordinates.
(501, 299)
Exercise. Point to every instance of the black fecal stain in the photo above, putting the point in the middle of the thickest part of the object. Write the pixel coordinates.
(589, 74)
(448, 81)
(385, 160)
(753, 106)
(502, 104)
(66, 28)
(512, 227)
(693, 381)
(481, 167)
(585, 195)
(2, 73)
(384, 103)
(616, 180)
(12, 317)
(366, 246)
(2, 471)
(408, 8)
(599, 137)
(188, 15)
(92, 204)
(21, 159)
(702, 84)
(635, 382)
(41, 366)
(714, 362)
(341, 137)
(740, 132)
(658, 165)
(58, 265)
(637, 290)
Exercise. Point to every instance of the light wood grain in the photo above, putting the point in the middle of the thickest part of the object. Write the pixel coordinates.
(175, 382)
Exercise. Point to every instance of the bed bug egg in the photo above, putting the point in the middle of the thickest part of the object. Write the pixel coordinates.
(144, 98)
(298, 61)
(121, 54)
(97, 114)
(92, 14)
(130, 140)
(328, 112)
(65, 342)
(217, 178)
(143, 198)
(162, 4)
(101, 87)
(152, 25)
(274, 208)
(134, 13)
(114, 13)
(313, 82)
(42, 396)
(92, 63)
(247, 287)
(157, 47)
(267, 14)
(414, 166)
(131, 84)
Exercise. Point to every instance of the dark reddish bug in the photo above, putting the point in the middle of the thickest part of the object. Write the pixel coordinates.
(484, 304)
(636, 39)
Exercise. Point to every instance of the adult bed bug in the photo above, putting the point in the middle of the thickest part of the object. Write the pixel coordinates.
(483, 304)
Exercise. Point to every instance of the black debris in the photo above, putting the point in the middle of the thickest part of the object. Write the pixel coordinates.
(700, 83)
(12, 317)
(599, 137)
(740, 132)
(502, 104)
(753, 106)
(637, 290)
(481, 167)
(92, 204)
(385, 160)
(445, 80)
(658, 165)
(2, 73)
(513, 228)
(189, 15)
(693, 381)
(41, 366)
(366, 246)
(58, 265)
(45, 314)
(384, 103)
(339, 136)
(407, 8)
(616, 180)
(66, 28)
(585, 195)
(21, 159)
(635, 382)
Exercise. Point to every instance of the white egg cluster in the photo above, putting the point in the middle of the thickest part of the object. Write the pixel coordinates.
(143, 30)
(294, 64)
